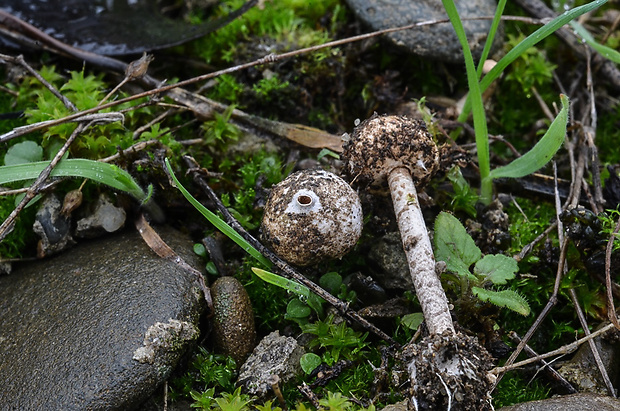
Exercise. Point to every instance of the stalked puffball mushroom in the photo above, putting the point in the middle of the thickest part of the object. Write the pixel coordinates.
(446, 368)
(312, 216)
(403, 152)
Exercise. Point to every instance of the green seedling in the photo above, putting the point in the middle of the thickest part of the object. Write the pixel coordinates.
(338, 339)
(554, 137)
(457, 249)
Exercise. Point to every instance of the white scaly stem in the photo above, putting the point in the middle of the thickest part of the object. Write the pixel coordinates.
(417, 246)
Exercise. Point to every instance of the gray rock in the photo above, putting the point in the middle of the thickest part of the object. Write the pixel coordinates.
(72, 324)
(437, 41)
(582, 372)
(389, 255)
(53, 227)
(575, 402)
(275, 355)
(105, 218)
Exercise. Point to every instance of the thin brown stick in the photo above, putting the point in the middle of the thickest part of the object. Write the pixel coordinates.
(129, 150)
(590, 134)
(20, 60)
(593, 348)
(529, 247)
(543, 314)
(44, 187)
(548, 369)
(565, 349)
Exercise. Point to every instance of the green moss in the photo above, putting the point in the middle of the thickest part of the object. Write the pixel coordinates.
(21, 242)
(515, 388)
(291, 23)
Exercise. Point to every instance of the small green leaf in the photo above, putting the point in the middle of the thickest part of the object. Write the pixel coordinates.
(412, 321)
(496, 268)
(542, 152)
(200, 250)
(282, 282)
(211, 268)
(327, 152)
(316, 303)
(453, 245)
(506, 298)
(297, 309)
(24, 152)
(309, 362)
(331, 282)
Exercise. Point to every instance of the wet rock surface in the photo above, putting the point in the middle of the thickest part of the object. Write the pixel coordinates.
(437, 41)
(72, 324)
(575, 402)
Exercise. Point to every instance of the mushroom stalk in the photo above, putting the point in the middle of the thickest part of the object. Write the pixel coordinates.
(418, 249)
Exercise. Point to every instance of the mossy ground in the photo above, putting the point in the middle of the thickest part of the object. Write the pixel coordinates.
(328, 89)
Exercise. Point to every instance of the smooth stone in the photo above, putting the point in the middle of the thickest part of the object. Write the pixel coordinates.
(98, 327)
(275, 355)
(437, 41)
(574, 402)
(105, 218)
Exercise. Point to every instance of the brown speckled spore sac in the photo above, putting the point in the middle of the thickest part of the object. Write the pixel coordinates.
(312, 216)
(382, 143)
(233, 320)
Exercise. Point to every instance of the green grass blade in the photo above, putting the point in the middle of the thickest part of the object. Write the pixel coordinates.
(528, 42)
(489, 43)
(475, 95)
(542, 152)
(605, 51)
(218, 222)
(282, 282)
(103, 173)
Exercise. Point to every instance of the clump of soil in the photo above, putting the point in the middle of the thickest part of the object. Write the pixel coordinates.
(448, 371)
